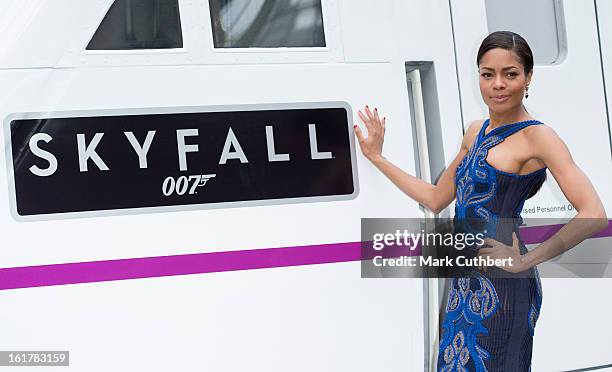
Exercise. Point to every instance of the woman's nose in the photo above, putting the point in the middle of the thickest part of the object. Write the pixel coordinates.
(499, 82)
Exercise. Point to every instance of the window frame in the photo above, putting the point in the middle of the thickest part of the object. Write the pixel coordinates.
(198, 47)
(331, 52)
(108, 52)
(561, 34)
(211, 42)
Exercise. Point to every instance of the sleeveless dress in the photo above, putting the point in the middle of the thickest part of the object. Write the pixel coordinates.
(489, 319)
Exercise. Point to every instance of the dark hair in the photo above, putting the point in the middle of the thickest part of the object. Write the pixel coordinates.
(510, 41)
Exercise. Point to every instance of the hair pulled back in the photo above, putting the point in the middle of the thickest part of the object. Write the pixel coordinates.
(510, 41)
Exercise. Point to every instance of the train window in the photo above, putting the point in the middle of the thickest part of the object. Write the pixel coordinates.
(139, 24)
(539, 22)
(267, 23)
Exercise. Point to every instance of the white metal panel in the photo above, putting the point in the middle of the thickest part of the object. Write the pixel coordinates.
(366, 35)
(321, 317)
(77, 89)
(423, 32)
(37, 33)
(236, 327)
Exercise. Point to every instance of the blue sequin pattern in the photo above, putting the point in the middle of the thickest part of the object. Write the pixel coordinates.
(489, 321)
(466, 309)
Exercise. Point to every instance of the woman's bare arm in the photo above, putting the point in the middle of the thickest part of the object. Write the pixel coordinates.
(591, 217)
(433, 197)
(445, 188)
(578, 190)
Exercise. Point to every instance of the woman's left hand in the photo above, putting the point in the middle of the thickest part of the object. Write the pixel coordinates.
(499, 250)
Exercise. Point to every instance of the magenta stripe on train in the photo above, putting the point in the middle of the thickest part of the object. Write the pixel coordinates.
(199, 263)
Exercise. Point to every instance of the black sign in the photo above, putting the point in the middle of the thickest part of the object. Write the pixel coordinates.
(98, 163)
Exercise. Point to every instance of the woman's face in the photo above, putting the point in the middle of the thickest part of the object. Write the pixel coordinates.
(502, 80)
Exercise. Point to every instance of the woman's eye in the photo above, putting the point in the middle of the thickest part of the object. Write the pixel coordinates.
(512, 74)
(486, 75)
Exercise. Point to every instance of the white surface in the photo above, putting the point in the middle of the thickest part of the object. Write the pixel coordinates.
(209, 230)
(320, 317)
(310, 318)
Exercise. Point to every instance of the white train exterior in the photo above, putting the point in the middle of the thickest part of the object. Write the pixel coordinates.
(413, 59)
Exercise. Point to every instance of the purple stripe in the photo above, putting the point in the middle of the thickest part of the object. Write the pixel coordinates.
(538, 234)
(152, 267)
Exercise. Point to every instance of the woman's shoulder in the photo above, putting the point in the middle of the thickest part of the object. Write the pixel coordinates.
(475, 125)
(540, 132)
(544, 141)
(471, 132)
(545, 144)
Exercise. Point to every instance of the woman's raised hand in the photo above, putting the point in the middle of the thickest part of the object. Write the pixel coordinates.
(371, 147)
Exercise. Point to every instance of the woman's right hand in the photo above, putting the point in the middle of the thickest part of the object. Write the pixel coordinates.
(371, 147)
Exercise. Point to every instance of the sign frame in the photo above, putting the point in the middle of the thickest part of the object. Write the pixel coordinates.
(173, 110)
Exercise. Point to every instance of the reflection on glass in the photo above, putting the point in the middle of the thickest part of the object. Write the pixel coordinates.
(539, 22)
(267, 23)
(139, 24)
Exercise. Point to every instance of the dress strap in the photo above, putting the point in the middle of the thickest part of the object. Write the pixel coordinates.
(508, 129)
(484, 125)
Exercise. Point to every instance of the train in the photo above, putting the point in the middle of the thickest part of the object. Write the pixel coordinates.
(181, 188)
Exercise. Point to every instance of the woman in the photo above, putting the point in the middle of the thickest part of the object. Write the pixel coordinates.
(489, 318)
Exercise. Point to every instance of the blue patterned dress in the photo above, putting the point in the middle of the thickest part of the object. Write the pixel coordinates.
(489, 319)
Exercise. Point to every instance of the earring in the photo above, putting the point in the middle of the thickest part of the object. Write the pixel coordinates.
(527, 91)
